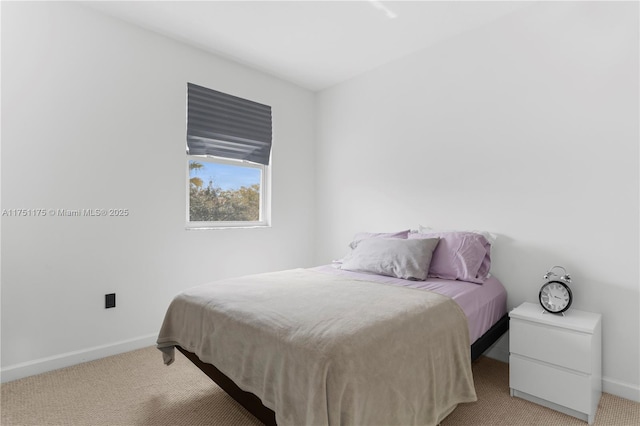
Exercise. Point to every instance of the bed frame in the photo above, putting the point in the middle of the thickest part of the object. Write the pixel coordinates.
(254, 405)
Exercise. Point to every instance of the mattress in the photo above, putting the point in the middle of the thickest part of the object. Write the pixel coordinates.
(483, 304)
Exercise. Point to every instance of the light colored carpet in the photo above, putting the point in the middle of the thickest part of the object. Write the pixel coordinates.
(135, 388)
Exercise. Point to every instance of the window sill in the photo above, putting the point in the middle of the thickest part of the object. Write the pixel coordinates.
(218, 227)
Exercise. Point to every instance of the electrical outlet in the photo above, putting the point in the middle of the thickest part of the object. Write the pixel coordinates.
(109, 300)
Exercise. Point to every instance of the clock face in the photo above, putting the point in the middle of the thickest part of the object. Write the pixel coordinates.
(555, 297)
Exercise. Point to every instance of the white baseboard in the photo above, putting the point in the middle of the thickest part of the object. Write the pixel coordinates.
(621, 389)
(42, 365)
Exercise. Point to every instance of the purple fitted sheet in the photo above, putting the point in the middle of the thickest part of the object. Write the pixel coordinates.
(483, 304)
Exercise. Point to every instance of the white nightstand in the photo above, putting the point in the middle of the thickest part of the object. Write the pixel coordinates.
(556, 360)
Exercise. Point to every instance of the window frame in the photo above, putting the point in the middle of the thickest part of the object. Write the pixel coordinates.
(264, 220)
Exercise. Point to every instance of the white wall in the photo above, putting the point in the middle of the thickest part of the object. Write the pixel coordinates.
(527, 127)
(93, 116)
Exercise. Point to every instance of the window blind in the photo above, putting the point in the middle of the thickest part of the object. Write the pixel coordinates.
(226, 126)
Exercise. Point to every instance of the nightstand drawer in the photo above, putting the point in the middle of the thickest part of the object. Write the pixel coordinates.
(555, 345)
(572, 390)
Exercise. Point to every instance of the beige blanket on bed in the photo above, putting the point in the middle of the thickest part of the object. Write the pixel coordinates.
(324, 350)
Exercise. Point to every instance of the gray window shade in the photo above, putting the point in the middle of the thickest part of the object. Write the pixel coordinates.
(226, 126)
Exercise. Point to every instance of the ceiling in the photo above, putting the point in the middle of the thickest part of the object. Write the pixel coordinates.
(314, 44)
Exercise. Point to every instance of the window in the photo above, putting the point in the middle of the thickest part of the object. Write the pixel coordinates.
(228, 153)
(223, 193)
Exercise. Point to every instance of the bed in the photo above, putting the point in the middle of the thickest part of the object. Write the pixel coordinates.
(330, 345)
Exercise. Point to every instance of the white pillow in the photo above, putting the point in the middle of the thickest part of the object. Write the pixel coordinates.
(364, 235)
(394, 257)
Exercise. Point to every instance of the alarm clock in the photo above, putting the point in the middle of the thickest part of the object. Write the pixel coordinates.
(555, 295)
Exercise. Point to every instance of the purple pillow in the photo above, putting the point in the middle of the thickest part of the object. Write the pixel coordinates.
(464, 256)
